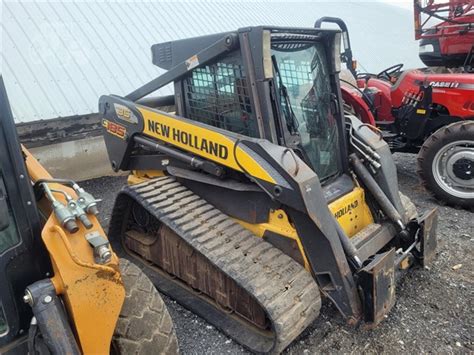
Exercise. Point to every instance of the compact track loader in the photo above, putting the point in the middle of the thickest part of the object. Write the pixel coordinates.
(258, 195)
(63, 290)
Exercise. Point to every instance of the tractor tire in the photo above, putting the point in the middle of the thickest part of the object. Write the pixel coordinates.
(144, 325)
(446, 164)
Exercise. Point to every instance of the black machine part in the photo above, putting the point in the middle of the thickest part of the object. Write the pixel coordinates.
(346, 56)
(413, 116)
(386, 175)
(194, 161)
(386, 205)
(23, 258)
(224, 43)
(51, 318)
(4, 216)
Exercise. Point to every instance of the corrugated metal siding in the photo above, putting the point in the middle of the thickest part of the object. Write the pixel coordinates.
(59, 57)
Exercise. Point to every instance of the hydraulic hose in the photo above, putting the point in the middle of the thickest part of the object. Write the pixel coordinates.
(385, 204)
(348, 247)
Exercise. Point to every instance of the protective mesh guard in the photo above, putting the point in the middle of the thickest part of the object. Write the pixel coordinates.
(218, 95)
(297, 78)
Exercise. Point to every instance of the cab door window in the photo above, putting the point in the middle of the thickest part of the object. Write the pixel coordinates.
(8, 231)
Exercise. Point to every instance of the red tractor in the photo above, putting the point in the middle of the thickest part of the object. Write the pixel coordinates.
(427, 111)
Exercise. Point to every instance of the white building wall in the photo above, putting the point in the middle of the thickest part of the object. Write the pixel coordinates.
(58, 57)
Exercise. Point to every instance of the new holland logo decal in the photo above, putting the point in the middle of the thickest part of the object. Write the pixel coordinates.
(189, 139)
(346, 209)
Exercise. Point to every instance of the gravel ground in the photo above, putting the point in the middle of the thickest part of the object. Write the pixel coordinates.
(434, 311)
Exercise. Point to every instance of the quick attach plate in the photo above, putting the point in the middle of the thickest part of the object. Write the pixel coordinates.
(377, 284)
(428, 240)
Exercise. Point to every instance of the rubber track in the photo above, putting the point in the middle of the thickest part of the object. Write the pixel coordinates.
(286, 291)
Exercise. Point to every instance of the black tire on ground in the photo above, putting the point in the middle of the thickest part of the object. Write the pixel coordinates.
(458, 131)
(144, 325)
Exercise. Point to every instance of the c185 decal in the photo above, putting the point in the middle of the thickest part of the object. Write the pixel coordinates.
(114, 128)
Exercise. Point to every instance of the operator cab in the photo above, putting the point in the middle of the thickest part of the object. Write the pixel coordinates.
(289, 76)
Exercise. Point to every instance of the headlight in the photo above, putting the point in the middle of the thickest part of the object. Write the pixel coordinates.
(427, 48)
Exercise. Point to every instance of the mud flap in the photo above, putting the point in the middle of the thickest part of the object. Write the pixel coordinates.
(377, 286)
(428, 242)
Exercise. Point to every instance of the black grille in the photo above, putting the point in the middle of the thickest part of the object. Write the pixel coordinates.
(218, 95)
(290, 42)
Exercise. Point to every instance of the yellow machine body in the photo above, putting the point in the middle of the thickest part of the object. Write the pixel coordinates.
(193, 138)
(350, 210)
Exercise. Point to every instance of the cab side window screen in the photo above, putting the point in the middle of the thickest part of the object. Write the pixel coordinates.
(218, 95)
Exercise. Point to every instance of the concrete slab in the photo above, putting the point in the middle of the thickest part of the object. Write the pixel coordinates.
(78, 160)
